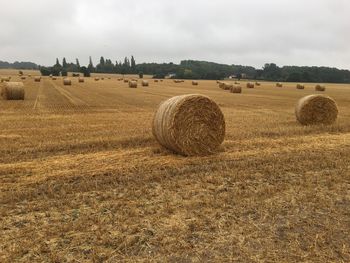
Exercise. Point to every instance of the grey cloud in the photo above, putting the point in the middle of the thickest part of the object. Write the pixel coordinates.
(250, 32)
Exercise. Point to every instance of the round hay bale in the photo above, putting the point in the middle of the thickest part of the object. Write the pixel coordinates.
(37, 79)
(189, 125)
(279, 85)
(236, 89)
(67, 82)
(12, 91)
(81, 80)
(320, 88)
(257, 84)
(126, 80)
(132, 84)
(236, 82)
(54, 78)
(102, 78)
(23, 77)
(250, 85)
(156, 80)
(316, 109)
(226, 86)
(29, 75)
(145, 83)
(194, 83)
(299, 86)
(5, 79)
(161, 80)
(97, 78)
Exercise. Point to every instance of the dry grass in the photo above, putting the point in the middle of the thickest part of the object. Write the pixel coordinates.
(83, 180)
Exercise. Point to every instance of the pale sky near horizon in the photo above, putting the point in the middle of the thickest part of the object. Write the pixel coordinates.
(245, 32)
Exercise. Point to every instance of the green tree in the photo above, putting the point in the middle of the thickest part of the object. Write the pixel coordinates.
(91, 65)
(133, 65)
(77, 63)
(64, 63)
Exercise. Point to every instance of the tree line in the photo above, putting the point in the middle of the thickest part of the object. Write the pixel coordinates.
(192, 69)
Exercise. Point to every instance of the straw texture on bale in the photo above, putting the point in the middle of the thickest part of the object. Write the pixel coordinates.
(12, 91)
(236, 89)
(81, 80)
(189, 125)
(194, 83)
(250, 85)
(67, 82)
(145, 83)
(279, 85)
(316, 109)
(320, 88)
(132, 84)
(299, 86)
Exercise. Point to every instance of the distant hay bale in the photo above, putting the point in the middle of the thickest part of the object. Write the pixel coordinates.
(37, 79)
(145, 83)
(5, 79)
(67, 82)
(50, 75)
(316, 109)
(161, 80)
(189, 125)
(97, 78)
(23, 77)
(279, 85)
(227, 86)
(156, 80)
(29, 75)
(236, 89)
(299, 86)
(236, 82)
(126, 80)
(177, 81)
(257, 84)
(194, 83)
(54, 78)
(12, 91)
(102, 78)
(250, 85)
(132, 84)
(81, 80)
(320, 88)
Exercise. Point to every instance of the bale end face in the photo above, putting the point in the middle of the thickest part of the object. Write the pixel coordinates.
(189, 125)
(12, 91)
(316, 109)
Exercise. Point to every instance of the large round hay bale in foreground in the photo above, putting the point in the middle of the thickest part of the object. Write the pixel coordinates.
(67, 82)
(189, 125)
(12, 91)
(132, 84)
(320, 88)
(316, 109)
(145, 83)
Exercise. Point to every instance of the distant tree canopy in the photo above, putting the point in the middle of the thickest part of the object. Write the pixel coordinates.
(192, 69)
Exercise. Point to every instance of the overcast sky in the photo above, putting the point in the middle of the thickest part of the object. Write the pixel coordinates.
(247, 32)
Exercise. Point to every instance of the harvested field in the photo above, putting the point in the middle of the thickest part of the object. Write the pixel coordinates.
(82, 179)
